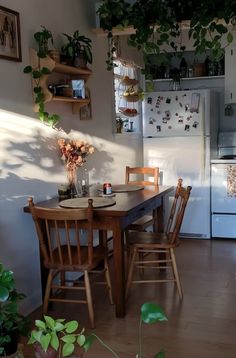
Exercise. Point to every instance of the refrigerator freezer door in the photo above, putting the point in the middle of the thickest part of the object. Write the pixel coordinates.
(171, 114)
(187, 158)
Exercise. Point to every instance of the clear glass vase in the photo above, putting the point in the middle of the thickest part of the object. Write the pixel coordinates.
(72, 180)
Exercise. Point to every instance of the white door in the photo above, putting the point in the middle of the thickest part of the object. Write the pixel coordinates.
(184, 157)
(223, 188)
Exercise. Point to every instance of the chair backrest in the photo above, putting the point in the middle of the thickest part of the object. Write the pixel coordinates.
(59, 230)
(142, 175)
(177, 211)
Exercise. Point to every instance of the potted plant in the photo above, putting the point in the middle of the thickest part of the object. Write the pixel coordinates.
(77, 50)
(56, 338)
(158, 23)
(42, 39)
(12, 323)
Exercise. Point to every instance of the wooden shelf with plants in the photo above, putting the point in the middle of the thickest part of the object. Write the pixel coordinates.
(59, 73)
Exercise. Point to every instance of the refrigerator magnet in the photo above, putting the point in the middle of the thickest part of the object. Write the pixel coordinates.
(167, 114)
(195, 99)
(158, 128)
(181, 121)
(195, 124)
(187, 107)
(149, 100)
(168, 100)
(187, 128)
(165, 120)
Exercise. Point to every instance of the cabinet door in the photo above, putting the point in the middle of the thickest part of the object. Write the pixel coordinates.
(230, 74)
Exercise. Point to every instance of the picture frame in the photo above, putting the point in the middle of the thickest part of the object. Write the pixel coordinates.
(86, 112)
(10, 40)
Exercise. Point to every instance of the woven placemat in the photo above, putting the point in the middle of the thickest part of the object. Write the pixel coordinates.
(98, 202)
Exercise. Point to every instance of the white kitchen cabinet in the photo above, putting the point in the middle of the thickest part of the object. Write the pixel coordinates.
(230, 74)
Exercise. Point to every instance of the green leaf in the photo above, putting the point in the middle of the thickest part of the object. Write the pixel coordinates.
(70, 338)
(40, 324)
(81, 340)
(67, 349)
(28, 69)
(37, 89)
(36, 74)
(45, 71)
(161, 354)
(45, 340)
(88, 343)
(54, 341)
(59, 326)
(71, 326)
(230, 37)
(152, 313)
(4, 294)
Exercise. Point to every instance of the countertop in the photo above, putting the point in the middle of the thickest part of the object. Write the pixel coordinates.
(223, 161)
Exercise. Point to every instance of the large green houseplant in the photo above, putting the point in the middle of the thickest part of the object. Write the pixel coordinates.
(159, 23)
(56, 338)
(43, 38)
(77, 47)
(12, 323)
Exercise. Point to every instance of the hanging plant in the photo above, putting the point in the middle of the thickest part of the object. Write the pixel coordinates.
(42, 39)
(158, 23)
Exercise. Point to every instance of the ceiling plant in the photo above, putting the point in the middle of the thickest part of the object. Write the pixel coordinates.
(158, 23)
(43, 38)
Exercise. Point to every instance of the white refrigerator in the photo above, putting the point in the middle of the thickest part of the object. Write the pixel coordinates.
(180, 137)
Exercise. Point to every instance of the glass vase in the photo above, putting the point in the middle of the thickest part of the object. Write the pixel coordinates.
(72, 180)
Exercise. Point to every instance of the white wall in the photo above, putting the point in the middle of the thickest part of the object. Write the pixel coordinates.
(29, 158)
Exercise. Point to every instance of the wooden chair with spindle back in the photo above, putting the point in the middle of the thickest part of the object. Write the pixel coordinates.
(143, 176)
(66, 248)
(163, 244)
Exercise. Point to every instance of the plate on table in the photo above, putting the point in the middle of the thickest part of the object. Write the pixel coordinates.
(98, 202)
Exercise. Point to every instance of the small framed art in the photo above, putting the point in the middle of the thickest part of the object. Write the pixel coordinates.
(10, 41)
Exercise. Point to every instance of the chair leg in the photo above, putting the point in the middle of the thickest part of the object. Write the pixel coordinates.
(89, 298)
(108, 281)
(176, 274)
(63, 278)
(130, 273)
(47, 291)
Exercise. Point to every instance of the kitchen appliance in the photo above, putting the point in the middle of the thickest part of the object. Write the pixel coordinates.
(223, 187)
(180, 137)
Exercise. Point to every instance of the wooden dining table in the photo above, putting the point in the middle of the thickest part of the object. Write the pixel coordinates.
(128, 207)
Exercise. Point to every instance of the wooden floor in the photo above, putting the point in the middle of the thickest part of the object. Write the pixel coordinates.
(202, 325)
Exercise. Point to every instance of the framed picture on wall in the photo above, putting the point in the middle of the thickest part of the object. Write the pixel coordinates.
(86, 112)
(10, 45)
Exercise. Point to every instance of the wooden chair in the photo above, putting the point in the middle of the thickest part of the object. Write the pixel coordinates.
(60, 237)
(162, 244)
(142, 176)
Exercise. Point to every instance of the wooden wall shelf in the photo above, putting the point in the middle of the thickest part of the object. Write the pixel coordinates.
(64, 72)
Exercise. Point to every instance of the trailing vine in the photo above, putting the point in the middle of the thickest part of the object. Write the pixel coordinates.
(158, 23)
(42, 38)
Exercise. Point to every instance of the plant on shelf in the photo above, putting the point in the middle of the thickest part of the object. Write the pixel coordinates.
(56, 338)
(42, 39)
(77, 49)
(160, 23)
(12, 323)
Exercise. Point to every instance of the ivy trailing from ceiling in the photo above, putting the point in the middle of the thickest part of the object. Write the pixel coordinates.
(158, 25)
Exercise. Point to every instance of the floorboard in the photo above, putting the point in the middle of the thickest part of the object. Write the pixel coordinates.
(202, 325)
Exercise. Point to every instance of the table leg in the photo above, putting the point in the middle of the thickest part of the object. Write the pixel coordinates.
(119, 269)
(159, 217)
